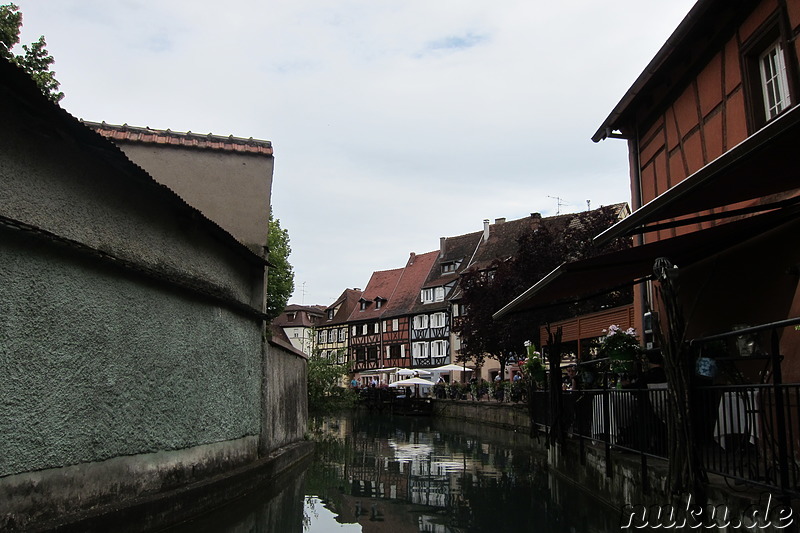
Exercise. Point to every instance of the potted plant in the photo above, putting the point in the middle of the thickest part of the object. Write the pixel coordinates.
(621, 347)
(534, 366)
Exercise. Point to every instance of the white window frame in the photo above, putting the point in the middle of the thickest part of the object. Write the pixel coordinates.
(364, 329)
(419, 350)
(376, 327)
(323, 336)
(421, 322)
(438, 320)
(427, 295)
(438, 293)
(438, 348)
(395, 324)
(774, 80)
(332, 335)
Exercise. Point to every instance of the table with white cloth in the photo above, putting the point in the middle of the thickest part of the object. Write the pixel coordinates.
(737, 414)
(621, 408)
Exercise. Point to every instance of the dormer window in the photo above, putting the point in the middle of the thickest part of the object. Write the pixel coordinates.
(379, 302)
(291, 316)
(451, 266)
(331, 312)
(363, 304)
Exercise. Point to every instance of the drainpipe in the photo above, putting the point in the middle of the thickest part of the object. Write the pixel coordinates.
(634, 160)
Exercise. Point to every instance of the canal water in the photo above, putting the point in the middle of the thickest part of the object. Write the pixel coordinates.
(379, 473)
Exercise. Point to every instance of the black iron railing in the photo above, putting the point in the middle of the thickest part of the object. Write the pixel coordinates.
(737, 428)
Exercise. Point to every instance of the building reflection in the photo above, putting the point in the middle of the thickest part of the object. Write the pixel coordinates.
(404, 474)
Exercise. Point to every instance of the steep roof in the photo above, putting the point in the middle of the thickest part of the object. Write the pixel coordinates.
(458, 249)
(188, 139)
(294, 316)
(381, 284)
(406, 294)
(707, 25)
(343, 306)
(54, 120)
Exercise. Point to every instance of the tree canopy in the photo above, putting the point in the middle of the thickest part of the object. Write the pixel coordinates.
(485, 292)
(280, 277)
(35, 60)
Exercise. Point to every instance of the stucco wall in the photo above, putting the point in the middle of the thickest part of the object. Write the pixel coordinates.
(285, 410)
(130, 337)
(64, 188)
(98, 365)
(232, 189)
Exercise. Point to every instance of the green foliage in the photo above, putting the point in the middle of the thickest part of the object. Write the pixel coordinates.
(621, 347)
(325, 392)
(538, 253)
(36, 61)
(280, 277)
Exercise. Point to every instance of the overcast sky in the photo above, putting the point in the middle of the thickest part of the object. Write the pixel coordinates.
(394, 123)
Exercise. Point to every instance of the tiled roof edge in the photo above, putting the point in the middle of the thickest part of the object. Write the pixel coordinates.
(210, 141)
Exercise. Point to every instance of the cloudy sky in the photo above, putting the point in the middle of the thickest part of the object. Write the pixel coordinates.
(393, 123)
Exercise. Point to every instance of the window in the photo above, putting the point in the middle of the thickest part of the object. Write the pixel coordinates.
(376, 327)
(438, 348)
(774, 81)
(332, 337)
(378, 303)
(323, 336)
(769, 79)
(395, 324)
(437, 320)
(363, 305)
(331, 312)
(427, 296)
(355, 330)
(419, 349)
(438, 294)
(448, 267)
(364, 329)
(343, 334)
(420, 321)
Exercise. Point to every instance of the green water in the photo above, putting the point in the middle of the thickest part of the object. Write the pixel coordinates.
(376, 473)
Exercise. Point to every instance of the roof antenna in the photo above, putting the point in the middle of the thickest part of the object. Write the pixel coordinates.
(559, 203)
(588, 205)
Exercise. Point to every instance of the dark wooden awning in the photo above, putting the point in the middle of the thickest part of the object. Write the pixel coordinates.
(766, 163)
(583, 279)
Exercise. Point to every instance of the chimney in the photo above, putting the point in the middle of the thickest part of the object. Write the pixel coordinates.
(411, 258)
(499, 220)
(442, 243)
(485, 229)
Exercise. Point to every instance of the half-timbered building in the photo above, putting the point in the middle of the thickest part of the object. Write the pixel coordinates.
(333, 331)
(365, 337)
(431, 313)
(398, 348)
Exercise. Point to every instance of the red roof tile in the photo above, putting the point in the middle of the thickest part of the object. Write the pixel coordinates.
(382, 283)
(193, 140)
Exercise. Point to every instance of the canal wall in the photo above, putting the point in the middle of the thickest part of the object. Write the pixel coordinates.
(619, 481)
(132, 339)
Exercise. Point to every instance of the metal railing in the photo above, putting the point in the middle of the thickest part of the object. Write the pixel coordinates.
(736, 427)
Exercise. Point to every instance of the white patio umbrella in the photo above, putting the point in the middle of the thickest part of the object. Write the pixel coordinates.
(416, 382)
(452, 368)
(412, 381)
(411, 372)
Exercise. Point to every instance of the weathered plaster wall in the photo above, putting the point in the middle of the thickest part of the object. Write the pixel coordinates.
(98, 365)
(130, 340)
(285, 409)
(232, 189)
(63, 188)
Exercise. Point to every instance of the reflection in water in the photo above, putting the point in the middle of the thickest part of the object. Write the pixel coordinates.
(400, 474)
(422, 474)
